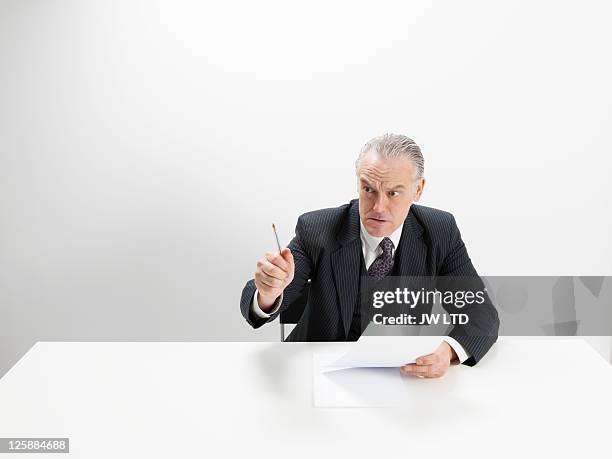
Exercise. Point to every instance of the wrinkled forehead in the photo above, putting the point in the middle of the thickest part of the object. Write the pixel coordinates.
(375, 169)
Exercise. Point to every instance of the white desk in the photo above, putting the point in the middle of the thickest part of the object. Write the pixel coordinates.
(527, 397)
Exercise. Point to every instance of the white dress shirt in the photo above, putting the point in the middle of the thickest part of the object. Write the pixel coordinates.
(371, 250)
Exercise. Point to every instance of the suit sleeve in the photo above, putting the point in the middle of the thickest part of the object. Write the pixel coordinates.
(303, 270)
(458, 273)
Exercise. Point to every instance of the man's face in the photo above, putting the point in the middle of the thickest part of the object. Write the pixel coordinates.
(386, 191)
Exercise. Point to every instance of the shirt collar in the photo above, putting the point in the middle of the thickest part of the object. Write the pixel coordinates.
(373, 241)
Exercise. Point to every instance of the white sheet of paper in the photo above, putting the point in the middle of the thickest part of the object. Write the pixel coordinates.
(366, 373)
(354, 387)
(386, 351)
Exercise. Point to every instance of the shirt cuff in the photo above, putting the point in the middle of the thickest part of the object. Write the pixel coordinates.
(266, 315)
(458, 348)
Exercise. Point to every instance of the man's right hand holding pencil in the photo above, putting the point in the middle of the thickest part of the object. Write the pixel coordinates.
(274, 272)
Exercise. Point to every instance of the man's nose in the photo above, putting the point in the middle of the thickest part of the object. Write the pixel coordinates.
(381, 203)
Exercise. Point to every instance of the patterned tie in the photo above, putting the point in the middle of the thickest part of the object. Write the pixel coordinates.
(384, 263)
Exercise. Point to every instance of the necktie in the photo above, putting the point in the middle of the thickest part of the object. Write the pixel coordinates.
(384, 263)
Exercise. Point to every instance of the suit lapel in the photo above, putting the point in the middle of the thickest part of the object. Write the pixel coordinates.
(411, 255)
(346, 262)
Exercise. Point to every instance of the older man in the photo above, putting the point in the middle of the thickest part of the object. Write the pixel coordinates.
(380, 234)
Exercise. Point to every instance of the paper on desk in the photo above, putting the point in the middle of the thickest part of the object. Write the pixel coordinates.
(386, 351)
(354, 387)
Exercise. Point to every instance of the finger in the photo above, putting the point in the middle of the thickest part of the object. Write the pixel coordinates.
(430, 359)
(413, 369)
(270, 281)
(277, 260)
(273, 271)
(267, 289)
(435, 374)
(288, 256)
(264, 266)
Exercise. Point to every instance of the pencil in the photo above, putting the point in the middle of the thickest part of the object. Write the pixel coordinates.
(277, 241)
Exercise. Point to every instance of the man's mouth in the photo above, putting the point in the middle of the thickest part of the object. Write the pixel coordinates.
(377, 220)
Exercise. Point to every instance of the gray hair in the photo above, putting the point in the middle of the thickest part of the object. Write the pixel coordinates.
(394, 146)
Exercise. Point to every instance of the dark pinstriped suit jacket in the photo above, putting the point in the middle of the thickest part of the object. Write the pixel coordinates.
(327, 250)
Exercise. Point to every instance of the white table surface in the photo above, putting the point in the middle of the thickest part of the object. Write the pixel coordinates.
(527, 397)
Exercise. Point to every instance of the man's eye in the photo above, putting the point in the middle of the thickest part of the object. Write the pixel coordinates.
(367, 189)
(393, 193)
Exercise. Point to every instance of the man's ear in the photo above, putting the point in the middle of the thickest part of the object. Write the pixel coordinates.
(419, 189)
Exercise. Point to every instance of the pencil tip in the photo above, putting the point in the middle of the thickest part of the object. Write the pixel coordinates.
(273, 227)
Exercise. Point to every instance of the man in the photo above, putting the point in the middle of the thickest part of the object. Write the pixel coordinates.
(380, 234)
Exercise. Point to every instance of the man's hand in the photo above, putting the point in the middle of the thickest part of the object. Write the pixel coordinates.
(433, 365)
(274, 272)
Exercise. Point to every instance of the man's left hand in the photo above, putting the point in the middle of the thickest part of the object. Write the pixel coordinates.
(432, 365)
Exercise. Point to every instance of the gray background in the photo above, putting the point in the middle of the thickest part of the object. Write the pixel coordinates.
(146, 147)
